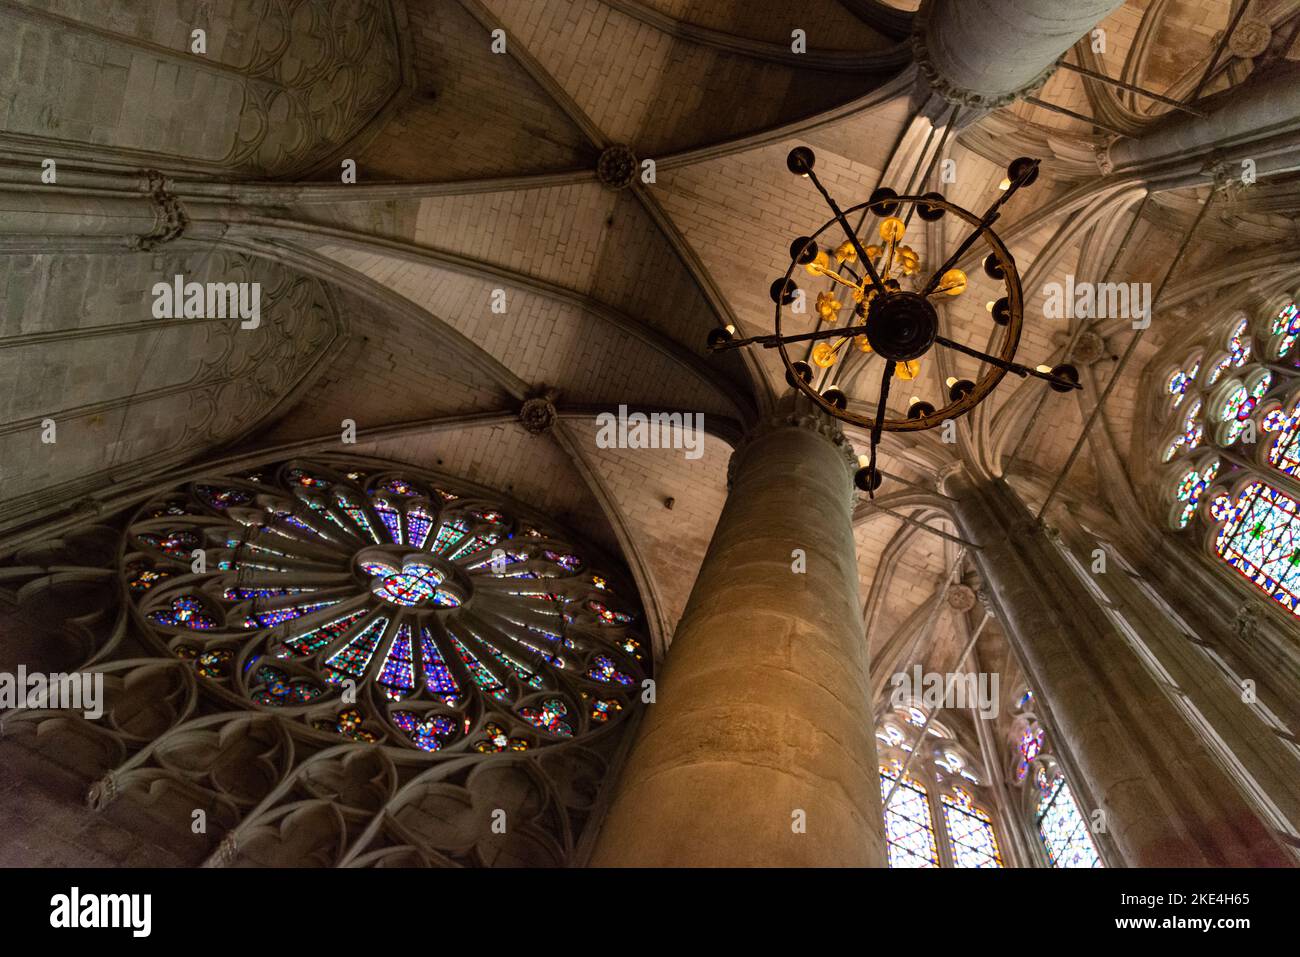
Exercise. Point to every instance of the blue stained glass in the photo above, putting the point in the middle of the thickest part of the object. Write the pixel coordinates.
(603, 669)
(418, 523)
(352, 660)
(274, 616)
(391, 519)
(437, 676)
(429, 733)
(397, 674)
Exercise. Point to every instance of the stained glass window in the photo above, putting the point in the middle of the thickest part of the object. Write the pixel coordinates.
(1192, 434)
(1180, 380)
(970, 831)
(1028, 747)
(909, 835)
(1284, 453)
(1261, 540)
(1191, 486)
(1063, 830)
(384, 581)
(1285, 330)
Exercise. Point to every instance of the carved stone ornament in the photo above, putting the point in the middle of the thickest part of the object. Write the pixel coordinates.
(616, 167)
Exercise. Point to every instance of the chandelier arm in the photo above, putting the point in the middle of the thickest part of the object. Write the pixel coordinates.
(989, 217)
(1015, 367)
(878, 427)
(853, 237)
(772, 341)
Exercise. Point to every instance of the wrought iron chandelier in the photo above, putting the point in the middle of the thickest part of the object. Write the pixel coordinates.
(893, 311)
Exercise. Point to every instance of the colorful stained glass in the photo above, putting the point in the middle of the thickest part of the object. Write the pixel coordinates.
(438, 678)
(483, 677)
(355, 511)
(391, 519)
(184, 612)
(418, 523)
(429, 733)
(319, 602)
(277, 689)
(320, 508)
(214, 664)
(276, 616)
(603, 669)
(1191, 486)
(549, 716)
(177, 543)
(1284, 454)
(288, 518)
(223, 497)
(497, 740)
(1028, 747)
(258, 591)
(310, 642)
(525, 674)
(602, 709)
(1063, 829)
(449, 534)
(352, 660)
(1179, 382)
(909, 835)
(1238, 352)
(415, 584)
(1240, 405)
(1261, 540)
(499, 560)
(475, 543)
(306, 479)
(1191, 436)
(607, 614)
(1286, 327)
(397, 673)
(141, 576)
(970, 831)
(570, 563)
(348, 723)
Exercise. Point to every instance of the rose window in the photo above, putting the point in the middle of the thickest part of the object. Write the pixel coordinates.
(386, 608)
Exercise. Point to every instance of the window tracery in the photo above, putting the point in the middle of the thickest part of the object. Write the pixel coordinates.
(1240, 489)
(337, 608)
(937, 816)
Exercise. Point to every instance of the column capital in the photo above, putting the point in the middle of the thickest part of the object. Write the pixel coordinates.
(794, 410)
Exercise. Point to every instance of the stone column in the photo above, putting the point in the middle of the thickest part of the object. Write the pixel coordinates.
(1258, 120)
(986, 53)
(762, 721)
(1130, 752)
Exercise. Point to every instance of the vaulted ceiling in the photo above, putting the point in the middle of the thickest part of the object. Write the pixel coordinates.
(476, 172)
